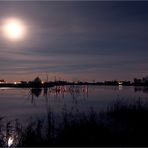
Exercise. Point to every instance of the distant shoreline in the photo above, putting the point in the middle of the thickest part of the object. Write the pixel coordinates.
(48, 85)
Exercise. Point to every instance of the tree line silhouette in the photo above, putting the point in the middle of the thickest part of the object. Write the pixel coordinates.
(37, 83)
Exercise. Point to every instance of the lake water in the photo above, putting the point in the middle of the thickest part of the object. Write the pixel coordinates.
(23, 103)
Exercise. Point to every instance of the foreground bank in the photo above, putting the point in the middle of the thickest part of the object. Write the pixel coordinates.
(122, 124)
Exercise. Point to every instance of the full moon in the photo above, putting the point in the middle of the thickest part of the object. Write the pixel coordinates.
(13, 29)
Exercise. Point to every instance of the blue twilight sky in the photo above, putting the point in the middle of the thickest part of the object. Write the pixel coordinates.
(76, 40)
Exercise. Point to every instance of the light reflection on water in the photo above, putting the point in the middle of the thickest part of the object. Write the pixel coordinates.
(10, 141)
(22, 103)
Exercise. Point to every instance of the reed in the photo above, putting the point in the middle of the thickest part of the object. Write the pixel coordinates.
(122, 124)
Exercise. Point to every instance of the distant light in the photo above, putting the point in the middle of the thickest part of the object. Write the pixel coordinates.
(10, 141)
(16, 82)
(2, 82)
(42, 82)
(120, 83)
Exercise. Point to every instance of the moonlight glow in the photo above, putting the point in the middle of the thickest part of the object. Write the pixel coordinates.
(13, 29)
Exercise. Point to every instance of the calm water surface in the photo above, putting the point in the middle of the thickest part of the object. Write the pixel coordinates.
(23, 103)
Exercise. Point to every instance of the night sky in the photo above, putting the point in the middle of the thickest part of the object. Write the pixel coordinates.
(76, 41)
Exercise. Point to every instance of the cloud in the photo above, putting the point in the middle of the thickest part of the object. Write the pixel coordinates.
(77, 38)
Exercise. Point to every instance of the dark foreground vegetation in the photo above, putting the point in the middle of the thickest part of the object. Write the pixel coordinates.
(122, 124)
